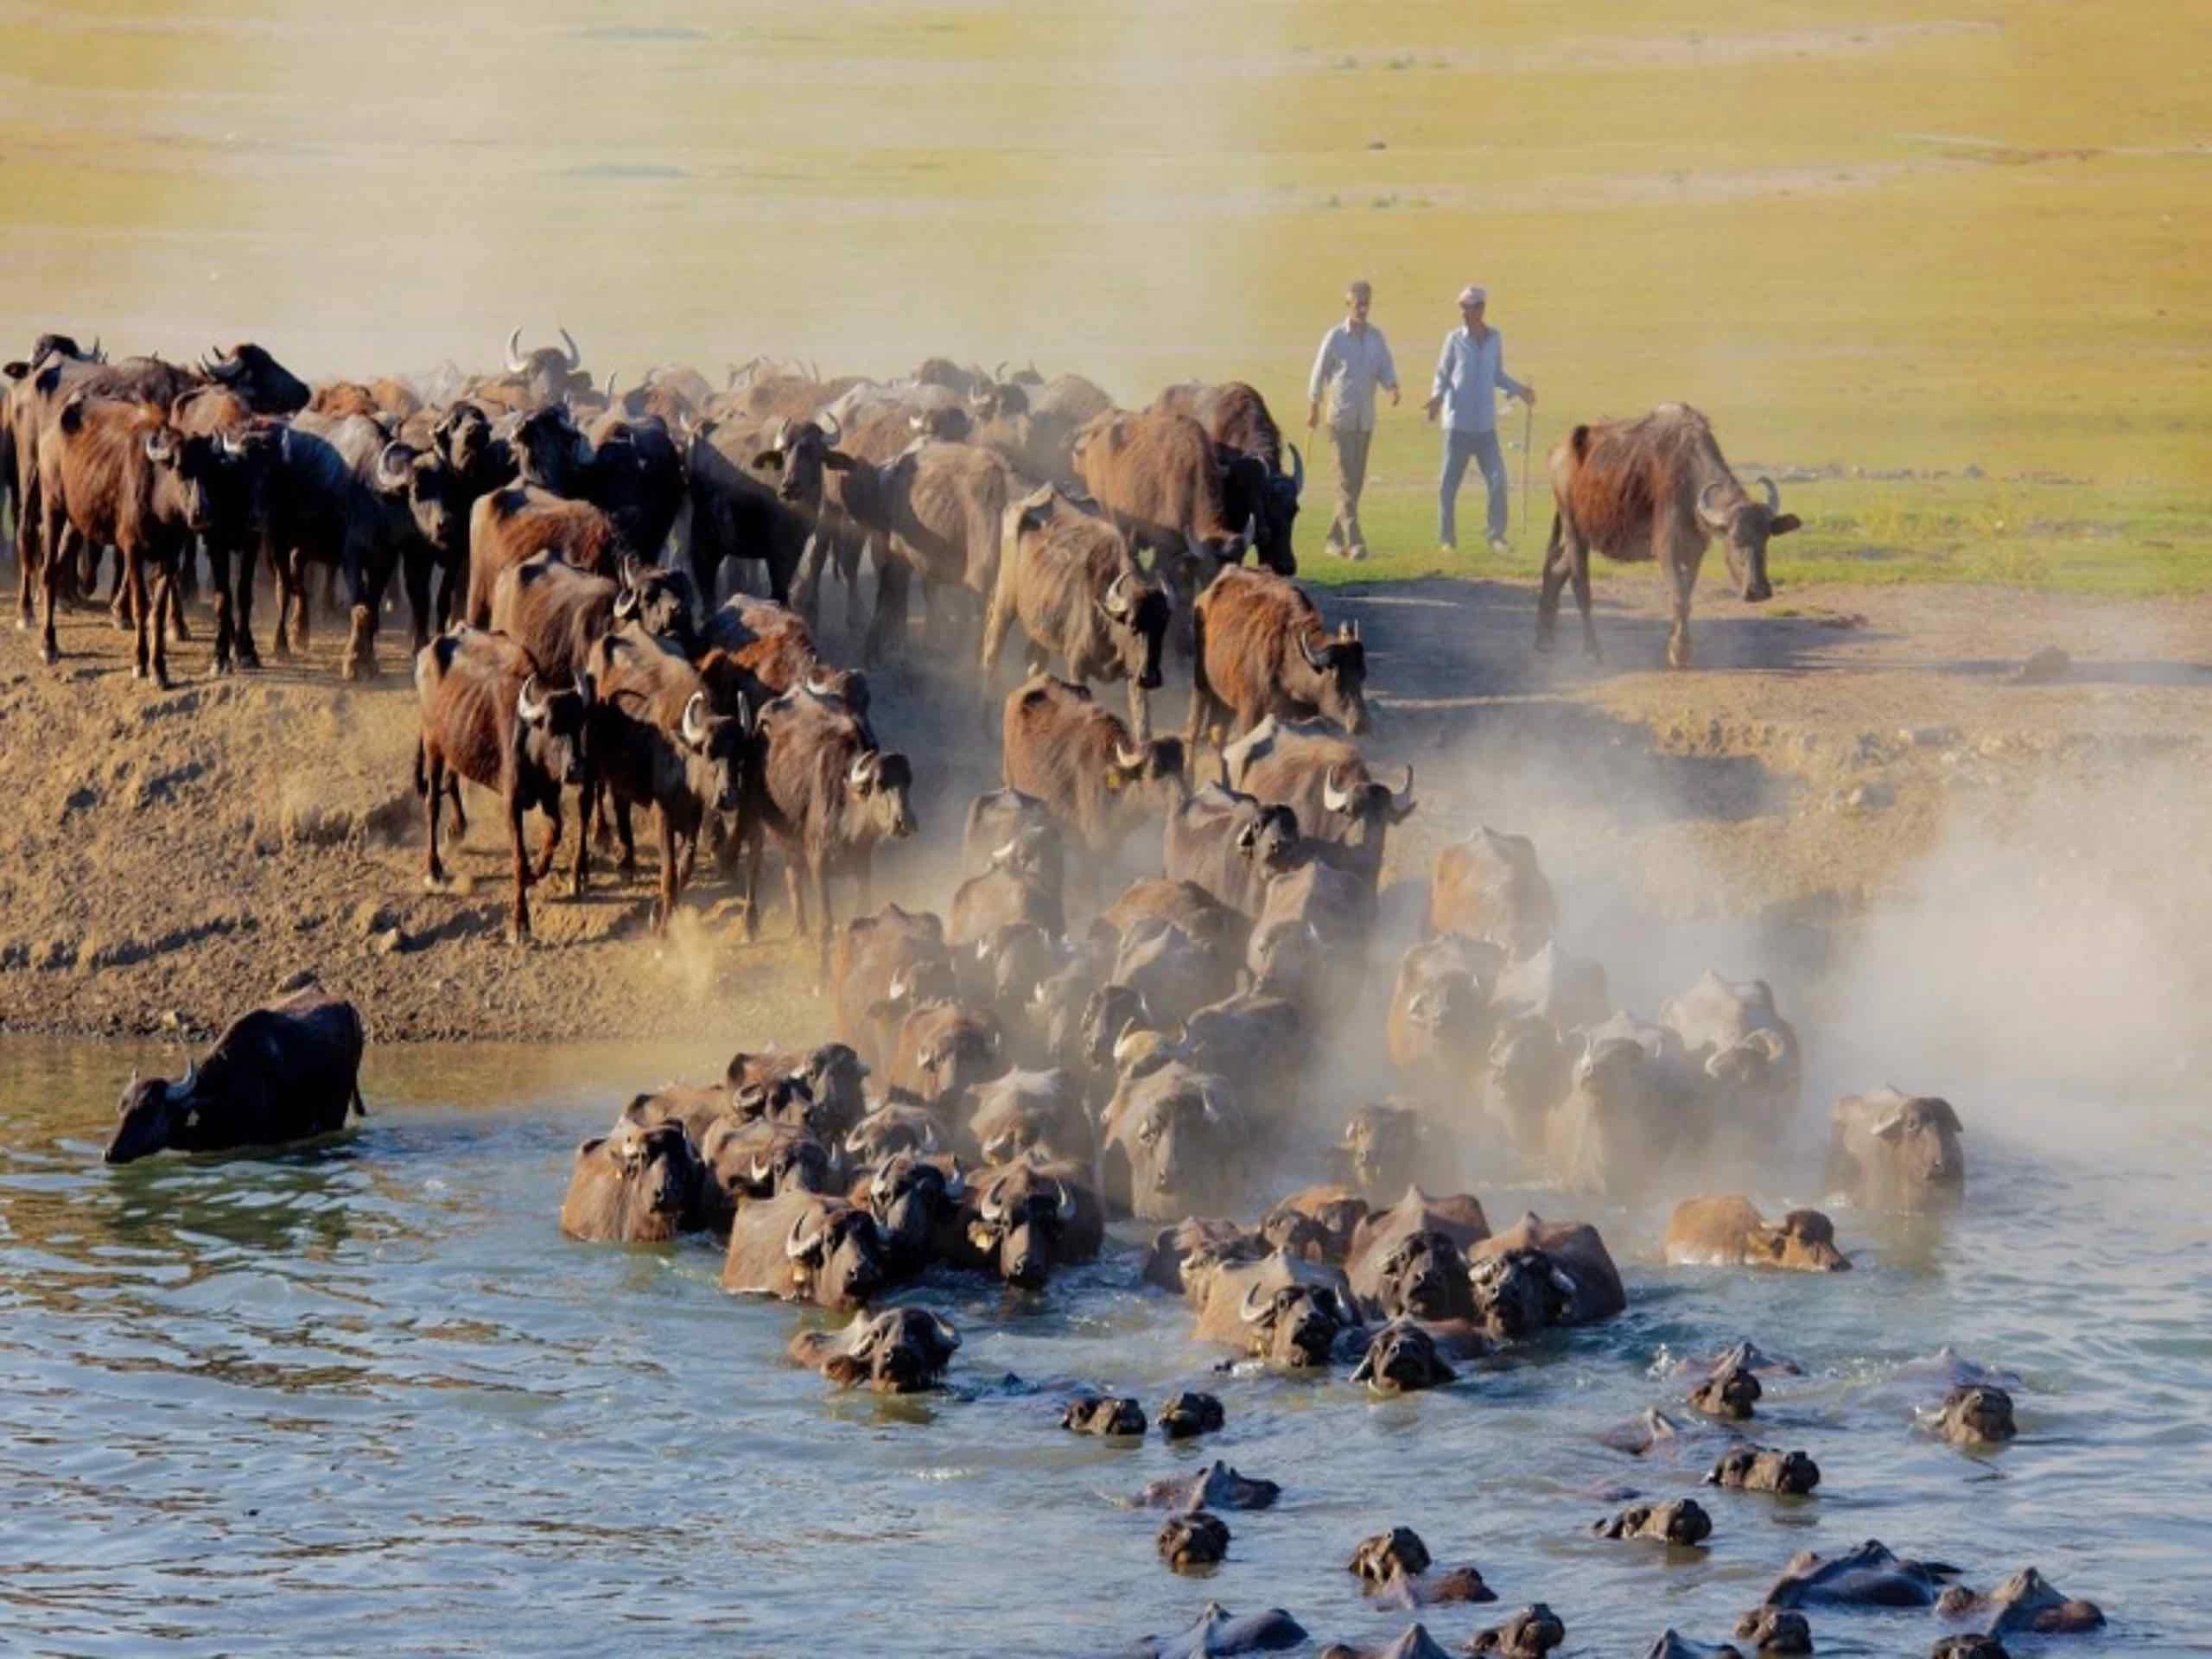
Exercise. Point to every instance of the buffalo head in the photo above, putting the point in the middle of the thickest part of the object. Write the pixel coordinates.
(663, 602)
(1021, 1213)
(897, 1350)
(1136, 610)
(1296, 1324)
(1401, 1358)
(880, 782)
(550, 452)
(837, 1248)
(799, 451)
(549, 373)
(550, 727)
(1723, 508)
(154, 1114)
(1923, 1139)
(715, 749)
(1978, 1415)
(912, 1199)
(266, 385)
(1424, 1275)
(1335, 677)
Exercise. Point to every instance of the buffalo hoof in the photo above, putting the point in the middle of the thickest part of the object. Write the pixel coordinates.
(49, 653)
(1545, 643)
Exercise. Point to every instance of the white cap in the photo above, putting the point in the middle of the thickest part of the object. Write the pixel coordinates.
(1472, 294)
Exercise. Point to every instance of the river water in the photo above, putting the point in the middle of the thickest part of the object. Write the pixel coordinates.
(365, 1398)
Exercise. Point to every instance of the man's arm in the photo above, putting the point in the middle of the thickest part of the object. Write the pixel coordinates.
(1389, 375)
(1526, 394)
(1446, 379)
(1323, 360)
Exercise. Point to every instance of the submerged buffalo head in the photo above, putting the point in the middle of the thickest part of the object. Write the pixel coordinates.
(892, 1127)
(153, 1115)
(550, 727)
(1776, 1631)
(896, 1350)
(192, 472)
(1021, 1213)
(1424, 1275)
(658, 1164)
(798, 453)
(1731, 1393)
(1334, 679)
(836, 1248)
(1517, 1293)
(1747, 525)
(1178, 1142)
(1978, 1415)
(837, 1074)
(1295, 1325)
(1921, 1136)
(912, 1199)
(1385, 1147)
(437, 496)
(1402, 1357)
(1805, 1241)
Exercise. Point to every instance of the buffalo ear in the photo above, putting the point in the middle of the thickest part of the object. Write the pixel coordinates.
(1784, 525)
(843, 1368)
(766, 459)
(17, 369)
(836, 461)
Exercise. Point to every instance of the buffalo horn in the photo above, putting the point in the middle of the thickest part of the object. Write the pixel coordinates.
(1706, 509)
(1121, 1044)
(96, 355)
(1334, 796)
(999, 373)
(694, 719)
(946, 1336)
(818, 682)
(1403, 800)
(1117, 595)
(1003, 856)
(814, 371)
(991, 1205)
(1297, 472)
(233, 446)
(1250, 1313)
(831, 428)
(1773, 496)
(798, 1244)
(1317, 661)
(1129, 760)
(219, 364)
(528, 708)
(516, 363)
(776, 433)
(901, 983)
(389, 475)
(183, 1090)
(569, 344)
(1066, 1209)
(956, 1184)
(863, 768)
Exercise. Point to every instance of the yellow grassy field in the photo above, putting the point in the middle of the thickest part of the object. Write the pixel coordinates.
(1859, 235)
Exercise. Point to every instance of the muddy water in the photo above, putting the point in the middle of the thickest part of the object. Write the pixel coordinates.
(363, 1398)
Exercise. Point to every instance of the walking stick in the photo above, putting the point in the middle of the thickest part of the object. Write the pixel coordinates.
(1528, 436)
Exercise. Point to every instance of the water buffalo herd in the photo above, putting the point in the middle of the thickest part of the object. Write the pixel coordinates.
(1092, 1048)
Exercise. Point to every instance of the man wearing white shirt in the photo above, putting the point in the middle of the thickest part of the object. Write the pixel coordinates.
(1353, 360)
(1470, 373)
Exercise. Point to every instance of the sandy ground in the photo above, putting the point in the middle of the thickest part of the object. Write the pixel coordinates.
(169, 857)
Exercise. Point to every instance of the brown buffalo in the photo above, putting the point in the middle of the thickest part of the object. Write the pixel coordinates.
(884, 966)
(1729, 1232)
(805, 1248)
(1891, 1151)
(1490, 887)
(1656, 487)
(633, 1185)
(1097, 782)
(1324, 778)
(1262, 649)
(897, 1350)
(1080, 596)
(488, 717)
(1157, 476)
(937, 511)
(1249, 445)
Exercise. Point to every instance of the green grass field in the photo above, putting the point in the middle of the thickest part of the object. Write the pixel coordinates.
(1859, 235)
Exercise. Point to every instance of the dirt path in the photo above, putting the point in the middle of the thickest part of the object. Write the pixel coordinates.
(167, 857)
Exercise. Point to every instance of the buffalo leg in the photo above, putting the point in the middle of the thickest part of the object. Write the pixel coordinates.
(460, 813)
(1556, 565)
(218, 583)
(665, 907)
(521, 930)
(242, 625)
(795, 894)
(1682, 572)
(587, 788)
(28, 520)
(415, 571)
(164, 599)
(819, 869)
(133, 583)
(551, 844)
(1581, 554)
(624, 834)
(434, 872)
(889, 622)
(753, 851)
(50, 648)
(448, 579)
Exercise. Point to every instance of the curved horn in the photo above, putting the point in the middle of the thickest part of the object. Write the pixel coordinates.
(1773, 496)
(946, 1336)
(515, 362)
(1403, 801)
(1066, 1208)
(999, 373)
(902, 982)
(579, 683)
(96, 355)
(956, 1184)
(1000, 856)
(1251, 1314)
(832, 428)
(220, 363)
(794, 1245)
(233, 447)
(529, 708)
(575, 357)
(191, 1078)
(1334, 796)
(389, 476)
(1129, 759)
(989, 1205)
(775, 434)
(1306, 649)
(1705, 510)
(694, 728)
(863, 768)
(818, 682)
(1117, 595)
(1297, 472)
(759, 1173)
(1122, 1043)
(609, 391)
